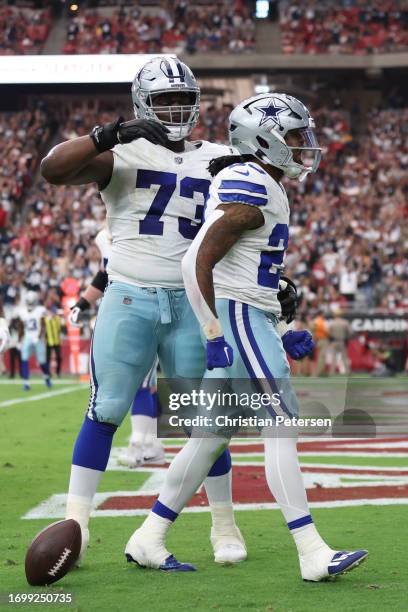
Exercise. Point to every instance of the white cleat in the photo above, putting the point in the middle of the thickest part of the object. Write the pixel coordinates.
(84, 546)
(153, 452)
(134, 456)
(147, 549)
(228, 545)
(327, 563)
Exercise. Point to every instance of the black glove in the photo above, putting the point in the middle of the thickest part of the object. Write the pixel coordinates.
(288, 298)
(106, 136)
(76, 311)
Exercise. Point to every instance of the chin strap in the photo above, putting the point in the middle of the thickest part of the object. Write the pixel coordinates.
(209, 322)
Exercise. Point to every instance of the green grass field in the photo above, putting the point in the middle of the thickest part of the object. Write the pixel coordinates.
(36, 444)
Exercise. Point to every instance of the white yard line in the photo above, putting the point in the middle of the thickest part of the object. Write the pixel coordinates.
(41, 396)
(54, 506)
(40, 381)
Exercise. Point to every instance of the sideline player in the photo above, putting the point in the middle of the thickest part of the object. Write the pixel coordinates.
(4, 331)
(154, 184)
(231, 273)
(32, 332)
(144, 446)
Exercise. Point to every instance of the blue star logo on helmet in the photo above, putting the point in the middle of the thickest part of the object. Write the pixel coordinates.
(271, 112)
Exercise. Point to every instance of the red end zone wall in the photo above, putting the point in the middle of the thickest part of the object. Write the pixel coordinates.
(66, 366)
(371, 333)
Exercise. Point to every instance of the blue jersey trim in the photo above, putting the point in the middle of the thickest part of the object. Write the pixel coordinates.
(243, 198)
(246, 185)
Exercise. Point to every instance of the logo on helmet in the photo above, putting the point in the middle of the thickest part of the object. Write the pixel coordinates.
(271, 113)
(168, 71)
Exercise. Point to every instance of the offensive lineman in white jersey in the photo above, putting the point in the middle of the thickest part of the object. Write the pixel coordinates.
(144, 446)
(231, 273)
(154, 184)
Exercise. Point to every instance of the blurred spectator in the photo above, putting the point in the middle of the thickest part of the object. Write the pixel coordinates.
(14, 349)
(348, 26)
(348, 282)
(353, 210)
(320, 331)
(23, 30)
(179, 27)
(339, 334)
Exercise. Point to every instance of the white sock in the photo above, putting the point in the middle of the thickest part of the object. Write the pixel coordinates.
(83, 484)
(284, 477)
(155, 524)
(152, 427)
(308, 540)
(286, 484)
(188, 470)
(141, 426)
(219, 494)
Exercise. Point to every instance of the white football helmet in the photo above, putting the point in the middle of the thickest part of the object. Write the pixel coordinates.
(258, 127)
(31, 300)
(162, 75)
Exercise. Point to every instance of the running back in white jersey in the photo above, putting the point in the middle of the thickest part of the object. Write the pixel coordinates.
(250, 271)
(32, 322)
(155, 201)
(104, 243)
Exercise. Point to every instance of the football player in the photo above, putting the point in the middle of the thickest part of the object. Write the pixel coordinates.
(144, 446)
(32, 332)
(4, 331)
(154, 184)
(231, 273)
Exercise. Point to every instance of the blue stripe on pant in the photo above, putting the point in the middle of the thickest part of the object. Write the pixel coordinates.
(258, 352)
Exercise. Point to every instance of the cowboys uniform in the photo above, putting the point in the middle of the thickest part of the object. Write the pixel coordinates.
(32, 316)
(243, 343)
(143, 445)
(154, 202)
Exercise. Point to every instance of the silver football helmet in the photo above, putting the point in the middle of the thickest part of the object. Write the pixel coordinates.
(162, 75)
(31, 300)
(259, 125)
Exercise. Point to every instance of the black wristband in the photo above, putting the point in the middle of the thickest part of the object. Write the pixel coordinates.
(82, 304)
(100, 280)
(105, 137)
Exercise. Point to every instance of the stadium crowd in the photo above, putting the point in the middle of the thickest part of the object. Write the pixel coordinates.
(179, 27)
(23, 30)
(349, 26)
(347, 232)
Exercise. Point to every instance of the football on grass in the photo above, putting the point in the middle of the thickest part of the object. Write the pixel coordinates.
(53, 552)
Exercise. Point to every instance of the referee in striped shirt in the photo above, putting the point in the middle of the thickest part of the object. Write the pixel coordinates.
(53, 335)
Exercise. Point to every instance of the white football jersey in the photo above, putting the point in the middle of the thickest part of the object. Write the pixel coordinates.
(104, 244)
(32, 322)
(155, 201)
(250, 271)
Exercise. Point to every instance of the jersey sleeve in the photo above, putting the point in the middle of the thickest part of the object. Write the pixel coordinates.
(243, 183)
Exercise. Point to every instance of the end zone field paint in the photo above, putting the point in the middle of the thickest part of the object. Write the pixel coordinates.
(328, 485)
